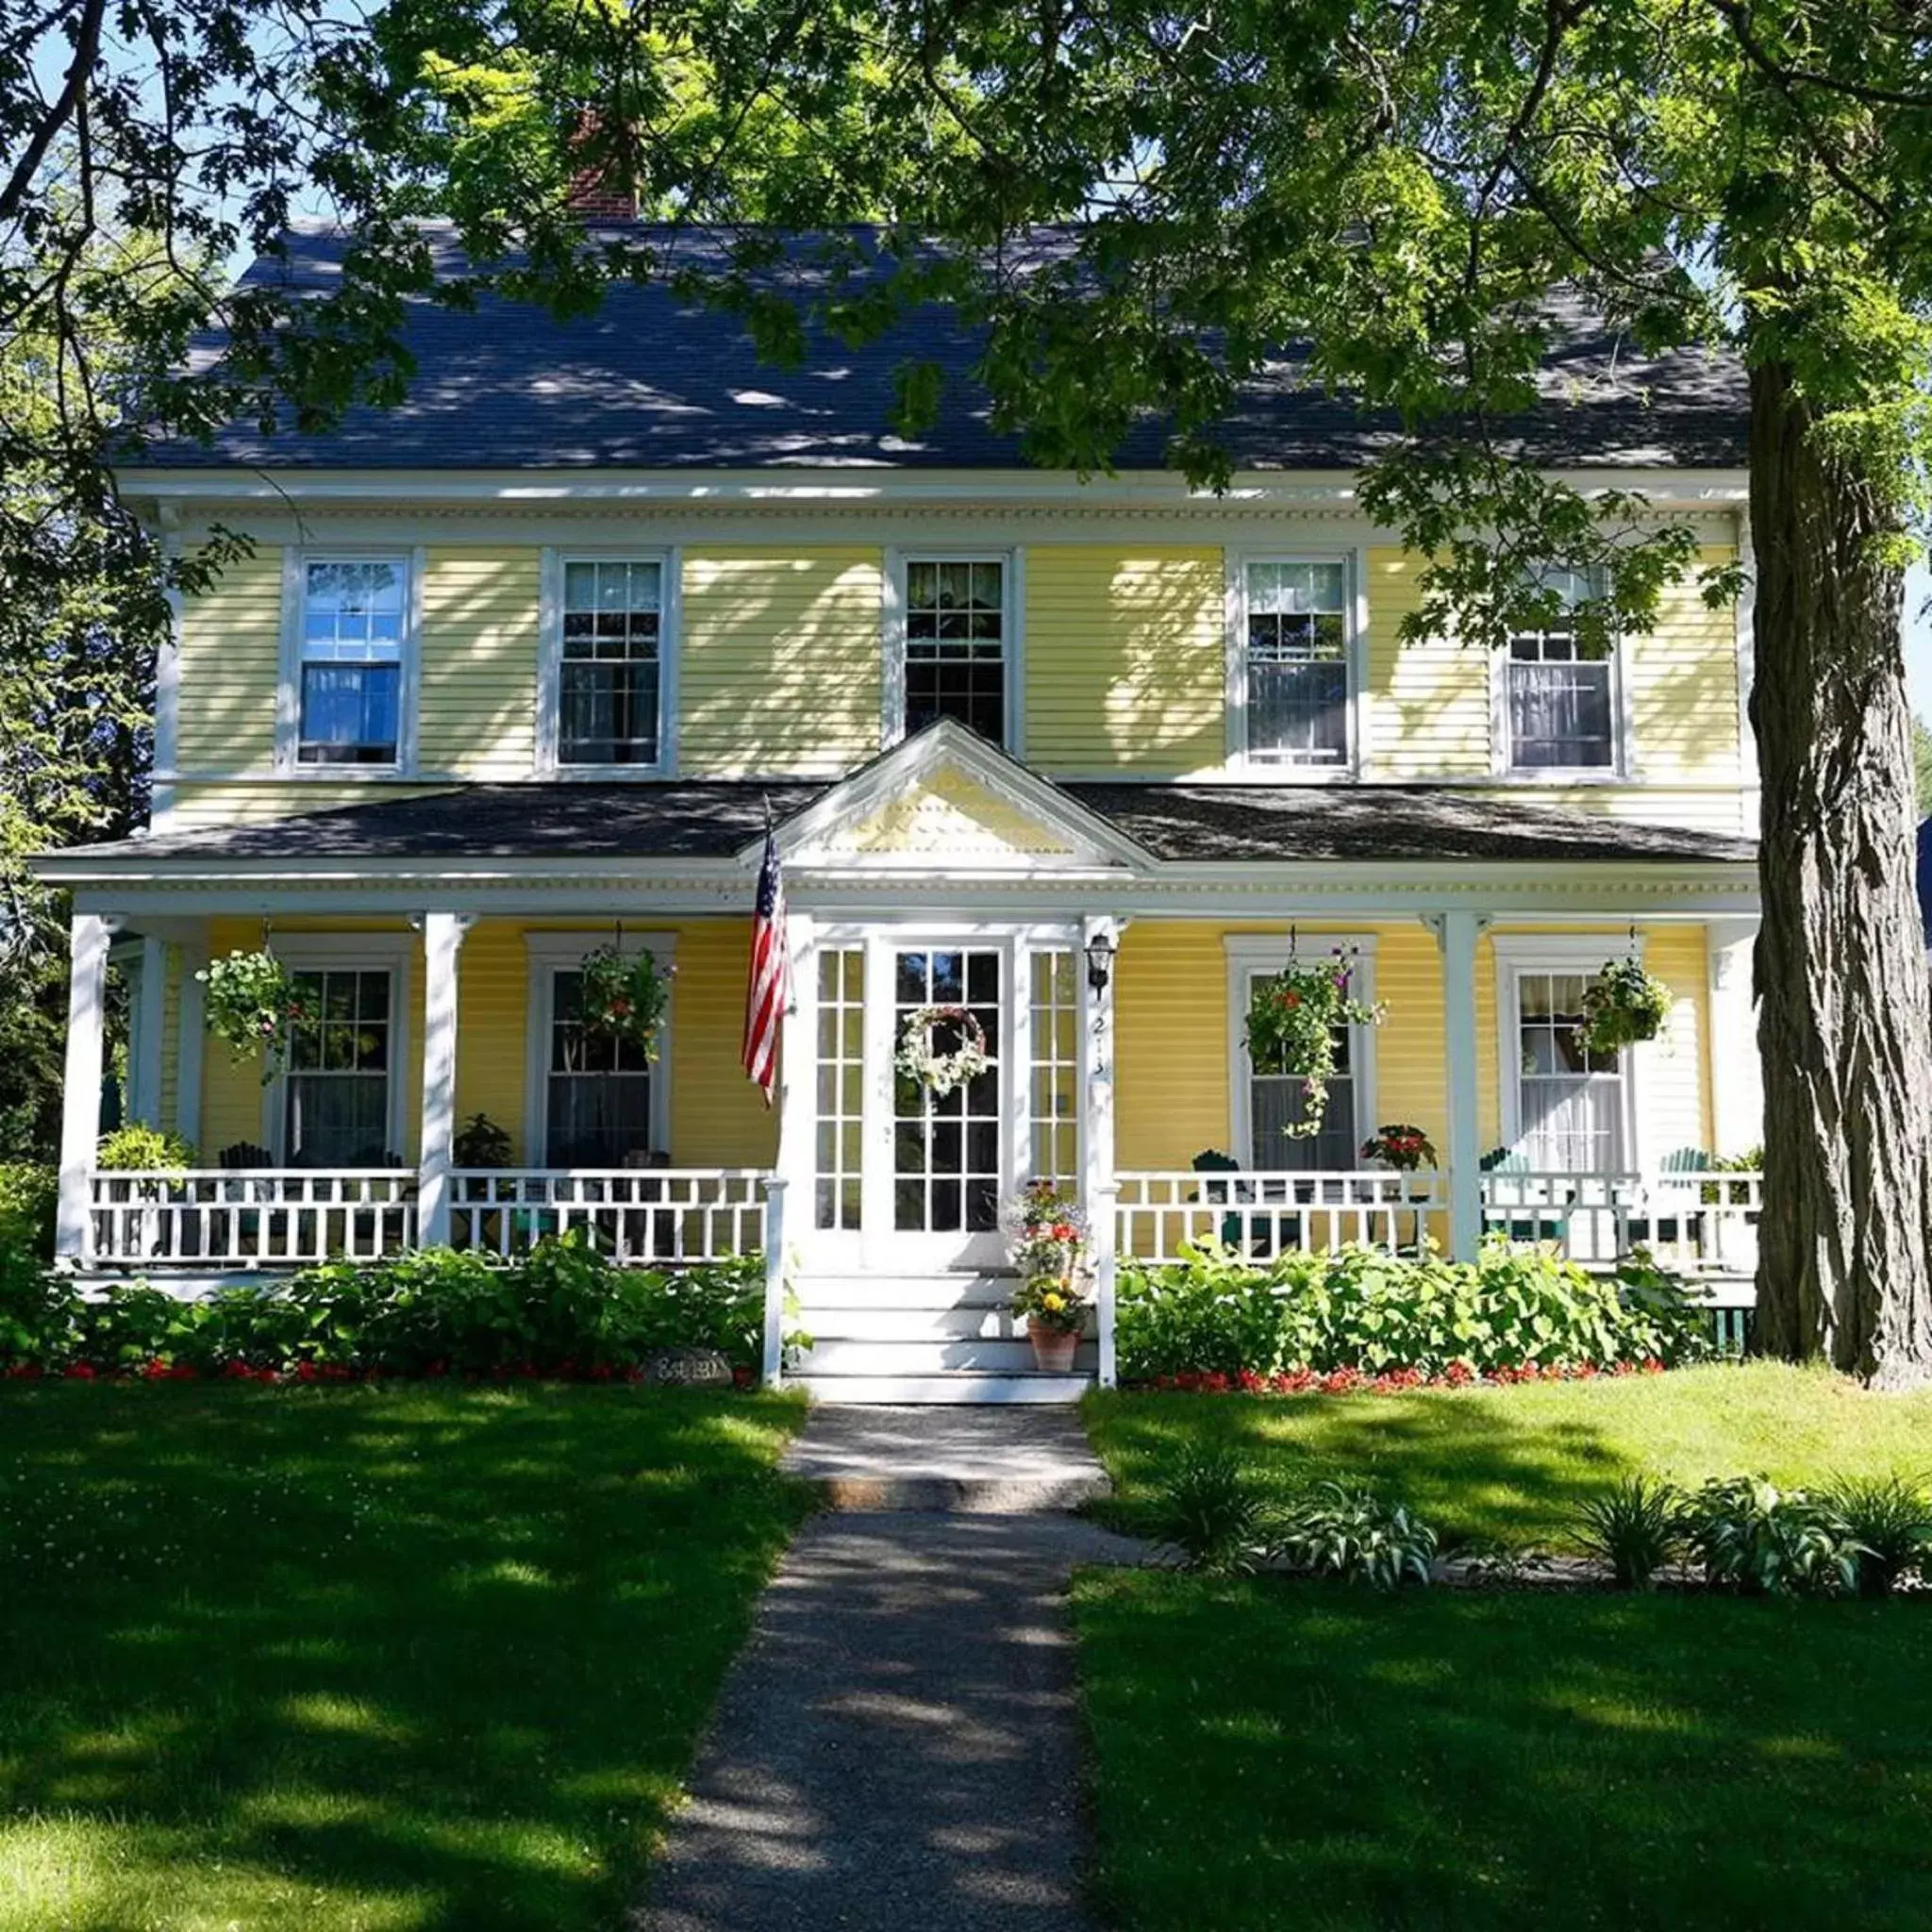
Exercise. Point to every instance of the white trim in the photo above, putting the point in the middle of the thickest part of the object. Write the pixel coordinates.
(167, 745)
(1516, 954)
(90, 937)
(555, 560)
(147, 1021)
(893, 635)
(413, 563)
(1623, 765)
(191, 1043)
(351, 951)
(1242, 764)
(1744, 621)
(1249, 953)
(550, 953)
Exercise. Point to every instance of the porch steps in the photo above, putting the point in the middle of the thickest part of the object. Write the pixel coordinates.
(940, 1337)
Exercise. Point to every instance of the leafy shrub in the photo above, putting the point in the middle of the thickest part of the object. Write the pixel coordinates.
(1891, 1521)
(35, 1311)
(1212, 1508)
(1346, 1530)
(1214, 1311)
(1634, 1527)
(144, 1149)
(28, 1191)
(1751, 1536)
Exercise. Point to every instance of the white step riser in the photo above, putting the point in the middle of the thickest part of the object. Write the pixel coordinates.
(924, 1388)
(902, 1291)
(960, 1323)
(873, 1357)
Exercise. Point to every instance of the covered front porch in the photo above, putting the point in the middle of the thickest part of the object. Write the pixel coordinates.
(451, 1094)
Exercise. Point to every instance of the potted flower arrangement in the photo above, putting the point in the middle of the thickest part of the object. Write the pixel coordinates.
(624, 995)
(255, 1003)
(1046, 1236)
(920, 1058)
(1622, 1006)
(1291, 1022)
(1401, 1146)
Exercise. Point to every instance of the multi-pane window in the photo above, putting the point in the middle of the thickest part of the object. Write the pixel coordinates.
(956, 644)
(1570, 1100)
(350, 697)
(597, 1097)
(1056, 1069)
(608, 698)
(1297, 663)
(947, 1174)
(336, 1098)
(1280, 1101)
(841, 1086)
(1563, 697)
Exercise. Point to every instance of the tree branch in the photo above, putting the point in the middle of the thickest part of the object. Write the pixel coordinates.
(87, 42)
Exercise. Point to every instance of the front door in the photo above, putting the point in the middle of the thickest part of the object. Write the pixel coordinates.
(949, 1150)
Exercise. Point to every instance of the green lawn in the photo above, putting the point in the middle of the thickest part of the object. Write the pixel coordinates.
(1509, 1463)
(364, 1659)
(1273, 1755)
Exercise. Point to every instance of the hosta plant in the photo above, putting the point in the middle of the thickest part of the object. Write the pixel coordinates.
(1292, 1019)
(1749, 1535)
(1622, 1005)
(1890, 1519)
(1632, 1527)
(1212, 1506)
(1346, 1530)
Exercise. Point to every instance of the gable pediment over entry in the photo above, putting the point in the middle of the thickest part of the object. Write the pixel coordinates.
(947, 798)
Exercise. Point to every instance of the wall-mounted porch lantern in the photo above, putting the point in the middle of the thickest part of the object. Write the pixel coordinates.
(1100, 952)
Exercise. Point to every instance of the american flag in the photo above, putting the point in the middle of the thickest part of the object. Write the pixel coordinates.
(768, 977)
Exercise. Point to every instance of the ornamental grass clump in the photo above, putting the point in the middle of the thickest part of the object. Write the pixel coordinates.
(1634, 1527)
(1750, 1535)
(1212, 1508)
(1346, 1530)
(1890, 1519)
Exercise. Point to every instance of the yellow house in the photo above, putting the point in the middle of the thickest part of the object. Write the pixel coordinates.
(525, 668)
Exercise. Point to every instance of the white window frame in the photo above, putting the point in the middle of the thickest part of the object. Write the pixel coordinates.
(358, 952)
(1252, 954)
(669, 560)
(295, 562)
(1622, 763)
(1517, 953)
(1355, 658)
(549, 954)
(893, 607)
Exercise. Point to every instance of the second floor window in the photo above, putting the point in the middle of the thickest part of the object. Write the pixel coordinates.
(1562, 697)
(350, 695)
(1297, 663)
(609, 682)
(956, 644)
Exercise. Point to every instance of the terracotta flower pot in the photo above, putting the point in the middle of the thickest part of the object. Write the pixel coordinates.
(1053, 1348)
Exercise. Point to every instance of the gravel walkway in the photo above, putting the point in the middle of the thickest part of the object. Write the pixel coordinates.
(896, 1748)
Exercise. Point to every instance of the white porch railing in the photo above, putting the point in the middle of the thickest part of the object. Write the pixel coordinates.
(635, 1217)
(1690, 1221)
(249, 1217)
(1267, 1212)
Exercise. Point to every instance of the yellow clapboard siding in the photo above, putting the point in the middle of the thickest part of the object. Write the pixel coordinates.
(477, 682)
(778, 665)
(1126, 666)
(198, 806)
(230, 669)
(1429, 704)
(1683, 689)
(1671, 1089)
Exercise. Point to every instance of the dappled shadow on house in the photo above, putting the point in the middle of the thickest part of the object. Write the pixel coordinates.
(365, 1656)
(1447, 1759)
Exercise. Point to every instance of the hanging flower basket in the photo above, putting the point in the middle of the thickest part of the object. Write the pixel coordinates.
(1622, 1006)
(919, 1058)
(254, 1002)
(1291, 1022)
(1401, 1146)
(623, 996)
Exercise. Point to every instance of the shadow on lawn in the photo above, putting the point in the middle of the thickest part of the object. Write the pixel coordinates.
(433, 1658)
(1468, 1761)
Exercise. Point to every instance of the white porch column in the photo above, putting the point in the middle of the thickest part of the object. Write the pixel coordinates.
(789, 1193)
(442, 939)
(80, 1105)
(191, 1047)
(1457, 934)
(145, 1045)
(1737, 1074)
(1099, 1185)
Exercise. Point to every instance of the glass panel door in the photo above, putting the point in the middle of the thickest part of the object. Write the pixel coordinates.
(947, 1148)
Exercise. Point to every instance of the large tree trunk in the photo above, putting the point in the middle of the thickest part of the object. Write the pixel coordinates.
(1844, 1023)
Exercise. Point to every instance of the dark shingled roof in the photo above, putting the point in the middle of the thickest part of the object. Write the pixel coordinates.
(695, 819)
(652, 381)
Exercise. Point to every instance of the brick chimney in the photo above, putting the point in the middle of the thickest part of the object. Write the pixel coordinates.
(592, 196)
